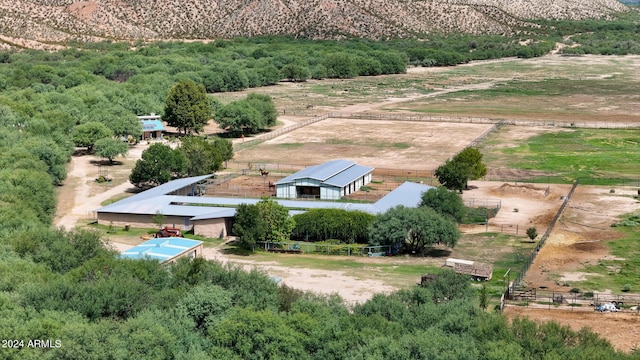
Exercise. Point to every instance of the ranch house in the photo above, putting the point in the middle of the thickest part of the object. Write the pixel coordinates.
(329, 181)
(152, 127)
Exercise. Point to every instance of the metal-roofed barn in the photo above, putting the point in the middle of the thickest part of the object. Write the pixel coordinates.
(329, 181)
(212, 217)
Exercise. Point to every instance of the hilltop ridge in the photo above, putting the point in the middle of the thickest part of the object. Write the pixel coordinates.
(61, 21)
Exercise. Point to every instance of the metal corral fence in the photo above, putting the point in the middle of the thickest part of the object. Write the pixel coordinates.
(572, 301)
(485, 203)
(433, 118)
(326, 249)
(483, 120)
(509, 175)
(510, 229)
(413, 117)
(544, 237)
(273, 134)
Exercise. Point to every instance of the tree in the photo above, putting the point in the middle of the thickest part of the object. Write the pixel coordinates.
(444, 202)
(295, 72)
(453, 175)
(269, 74)
(413, 229)
(279, 223)
(239, 116)
(88, 133)
(264, 104)
(532, 233)
(202, 157)
(121, 121)
(158, 219)
(109, 148)
(251, 114)
(265, 221)
(341, 65)
(224, 148)
(472, 157)
(249, 225)
(234, 78)
(323, 224)
(158, 165)
(187, 107)
(53, 155)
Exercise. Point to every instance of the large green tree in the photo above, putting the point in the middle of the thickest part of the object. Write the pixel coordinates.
(472, 157)
(121, 121)
(444, 202)
(466, 165)
(88, 133)
(251, 114)
(187, 107)
(239, 116)
(158, 165)
(249, 226)
(224, 148)
(265, 221)
(109, 148)
(453, 175)
(265, 106)
(202, 156)
(412, 229)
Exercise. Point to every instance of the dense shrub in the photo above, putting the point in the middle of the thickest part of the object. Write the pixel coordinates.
(323, 224)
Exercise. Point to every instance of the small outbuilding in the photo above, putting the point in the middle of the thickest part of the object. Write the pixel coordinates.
(329, 181)
(165, 250)
(152, 127)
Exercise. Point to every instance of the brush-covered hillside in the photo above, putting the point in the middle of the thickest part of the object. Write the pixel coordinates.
(49, 22)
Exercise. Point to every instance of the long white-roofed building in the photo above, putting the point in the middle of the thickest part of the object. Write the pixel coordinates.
(329, 181)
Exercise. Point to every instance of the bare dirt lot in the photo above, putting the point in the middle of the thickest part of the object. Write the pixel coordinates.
(580, 235)
(621, 329)
(385, 144)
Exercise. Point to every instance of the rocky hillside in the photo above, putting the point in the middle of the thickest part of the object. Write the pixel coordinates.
(56, 21)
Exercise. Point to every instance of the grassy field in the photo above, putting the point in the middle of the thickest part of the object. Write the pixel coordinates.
(503, 251)
(541, 89)
(589, 154)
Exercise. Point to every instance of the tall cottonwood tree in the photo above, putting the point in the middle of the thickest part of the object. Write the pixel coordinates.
(187, 107)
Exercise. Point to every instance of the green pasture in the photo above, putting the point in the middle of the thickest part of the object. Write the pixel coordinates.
(581, 153)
